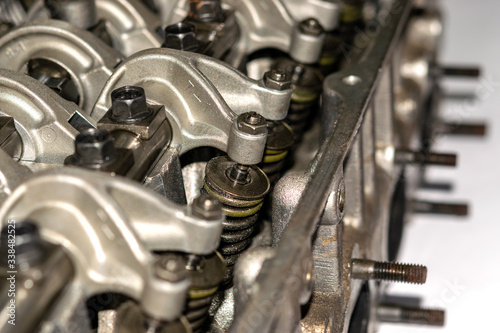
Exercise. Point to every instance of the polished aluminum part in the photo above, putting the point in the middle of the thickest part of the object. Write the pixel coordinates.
(247, 139)
(201, 95)
(125, 234)
(41, 119)
(131, 26)
(326, 12)
(88, 60)
(307, 42)
(80, 13)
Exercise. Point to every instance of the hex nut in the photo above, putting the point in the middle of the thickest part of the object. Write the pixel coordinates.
(252, 123)
(171, 268)
(207, 208)
(94, 147)
(181, 36)
(277, 80)
(311, 27)
(206, 11)
(30, 247)
(128, 105)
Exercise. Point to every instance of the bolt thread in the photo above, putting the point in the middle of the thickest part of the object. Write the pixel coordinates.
(473, 72)
(422, 316)
(397, 272)
(465, 129)
(426, 157)
(440, 159)
(442, 208)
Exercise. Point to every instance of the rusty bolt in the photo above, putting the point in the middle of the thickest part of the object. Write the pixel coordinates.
(252, 123)
(388, 271)
(278, 80)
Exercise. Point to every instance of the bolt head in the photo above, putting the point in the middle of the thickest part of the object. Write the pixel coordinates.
(171, 268)
(181, 36)
(206, 11)
(252, 123)
(311, 27)
(129, 105)
(207, 208)
(30, 247)
(278, 80)
(94, 147)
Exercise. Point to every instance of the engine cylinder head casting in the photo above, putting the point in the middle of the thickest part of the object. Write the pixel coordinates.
(217, 165)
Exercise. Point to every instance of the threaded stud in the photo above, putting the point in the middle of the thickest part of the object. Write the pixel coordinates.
(409, 315)
(427, 158)
(388, 271)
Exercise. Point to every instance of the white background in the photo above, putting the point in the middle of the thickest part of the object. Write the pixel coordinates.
(463, 255)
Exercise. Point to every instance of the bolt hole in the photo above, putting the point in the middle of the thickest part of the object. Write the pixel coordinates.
(351, 80)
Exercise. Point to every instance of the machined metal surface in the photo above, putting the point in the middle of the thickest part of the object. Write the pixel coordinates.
(42, 118)
(208, 95)
(131, 26)
(217, 165)
(88, 60)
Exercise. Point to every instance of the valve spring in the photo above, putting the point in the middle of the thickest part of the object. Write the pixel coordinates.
(279, 142)
(307, 84)
(205, 283)
(351, 21)
(301, 111)
(331, 55)
(241, 202)
(352, 12)
(237, 230)
(273, 164)
(197, 308)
